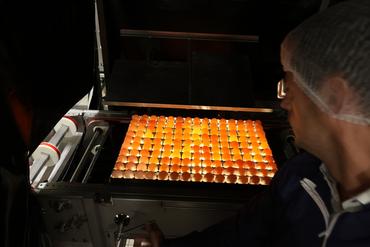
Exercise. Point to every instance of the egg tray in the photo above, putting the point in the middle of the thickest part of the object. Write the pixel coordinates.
(195, 150)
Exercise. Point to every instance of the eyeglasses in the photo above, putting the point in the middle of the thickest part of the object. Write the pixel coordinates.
(281, 89)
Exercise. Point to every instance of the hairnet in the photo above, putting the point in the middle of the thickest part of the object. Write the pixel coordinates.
(335, 42)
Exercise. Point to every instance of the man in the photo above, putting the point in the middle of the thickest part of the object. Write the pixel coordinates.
(321, 199)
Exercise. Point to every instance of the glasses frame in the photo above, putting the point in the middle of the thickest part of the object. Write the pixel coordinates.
(281, 89)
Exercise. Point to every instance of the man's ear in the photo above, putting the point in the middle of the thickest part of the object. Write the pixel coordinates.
(336, 93)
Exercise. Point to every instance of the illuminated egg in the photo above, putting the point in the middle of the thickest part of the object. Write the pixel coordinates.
(265, 180)
(153, 167)
(162, 175)
(196, 156)
(175, 168)
(268, 151)
(177, 147)
(165, 161)
(248, 164)
(185, 168)
(208, 169)
(237, 156)
(260, 165)
(147, 146)
(240, 171)
(264, 173)
(226, 157)
(197, 177)
(148, 134)
(219, 178)
(177, 142)
(154, 160)
(175, 161)
(196, 120)
(119, 166)
(247, 157)
(144, 160)
(116, 174)
(144, 153)
(126, 144)
(239, 164)
(258, 158)
(166, 154)
(159, 135)
(197, 142)
(134, 152)
(208, 177)
(195, 137)
(233, 138)
(141, 167)
(128, 174)
(186, 162)
(243, 139)
(186, 148)
(130, 166)
(186, 136)
(156, 153)
(196, 169)
(167, 142)
(186, 155)
(185, 176)
(254, 180)
(243, 179)
(179, 125)
(229, 170)
(132, 159)
(270, 174)
(253, 171)
(150, 175)
(135, 145)
(218, 170)
(207, 163)
(206, 142)
(228, 163)
(170, 124)
(231, 179)
(164, 168)
(217, 163)
(174, 176)
(216, 156)
(206, 156)
(121, 158)
(175, 154)
(196, 162)
(139, 175)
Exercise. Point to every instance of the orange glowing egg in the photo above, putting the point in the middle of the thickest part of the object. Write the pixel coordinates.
(207, 163)
(197, 177)
(166, 154)
(116, 174)
(208, 169)
(175, 154)
(243, 179)
(144, 160)
(218, 170)
(196, 169)
(240, 171)
(141, 167)
(134, 152)
(130, 166)
(175, 161)
(226, 157)
(196, 161)
(150, 175)
(186, 155)
(121, 158)
(185, 176)
(254, 180)
(144, 153)
(162, 175)
(156, 153)
(164, 168)
(174, 176)
(175, 168)
(217, 163)
(231, 178)
(206, 156)
(128, 174)
(229, 170)
(237, 156)
(219, 178)
(239, 164)
(154, 160)
(119, 166)
(208, 177)
(139, 175)
(228, 163)
(185, 169)
(165, 161)
(132, 159)
(153, 167)
(186, 162)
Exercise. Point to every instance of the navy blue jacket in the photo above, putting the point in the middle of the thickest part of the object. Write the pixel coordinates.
(287, 214)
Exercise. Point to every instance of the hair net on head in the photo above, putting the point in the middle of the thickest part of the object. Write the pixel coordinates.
(335, 42)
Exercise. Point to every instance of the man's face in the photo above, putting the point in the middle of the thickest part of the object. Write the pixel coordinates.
(303, 115)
